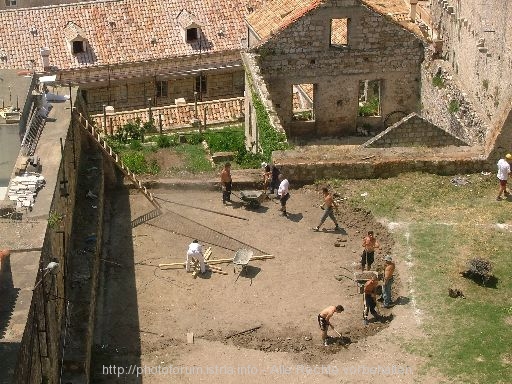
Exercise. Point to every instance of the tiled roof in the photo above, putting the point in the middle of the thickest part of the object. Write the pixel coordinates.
(187, 20)
(276, 15)
(121, 31)
(73, 31)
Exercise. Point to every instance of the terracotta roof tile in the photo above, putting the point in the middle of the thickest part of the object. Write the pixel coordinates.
(117, 31)
(277, 15)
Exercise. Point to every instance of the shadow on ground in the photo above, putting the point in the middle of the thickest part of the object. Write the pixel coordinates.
(117, 331)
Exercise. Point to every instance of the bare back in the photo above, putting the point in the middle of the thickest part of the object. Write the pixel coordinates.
(389, 270)
(225, 175)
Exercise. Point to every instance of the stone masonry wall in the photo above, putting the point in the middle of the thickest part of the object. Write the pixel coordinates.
(476, 38)
(41, 347)
(307, 173)
(413, 131)
(378, 49)
(439, 90)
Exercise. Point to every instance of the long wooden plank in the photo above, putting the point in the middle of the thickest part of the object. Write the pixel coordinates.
(216, 261)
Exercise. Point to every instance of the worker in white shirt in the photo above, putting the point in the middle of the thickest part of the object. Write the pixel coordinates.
(195, 251)
(283, 193)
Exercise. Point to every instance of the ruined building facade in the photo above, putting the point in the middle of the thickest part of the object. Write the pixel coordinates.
(332, 66)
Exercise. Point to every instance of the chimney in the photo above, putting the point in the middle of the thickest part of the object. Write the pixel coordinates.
(45, 56)
(412, 14)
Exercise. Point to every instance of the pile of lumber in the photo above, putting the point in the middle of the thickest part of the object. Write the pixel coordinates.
(211, 264)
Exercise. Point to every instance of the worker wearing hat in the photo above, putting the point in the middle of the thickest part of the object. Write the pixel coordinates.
(503, 172)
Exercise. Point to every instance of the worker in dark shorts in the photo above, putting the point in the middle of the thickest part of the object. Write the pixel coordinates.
(370, 243)
(370, 298)
(324, 318)
(226, 182)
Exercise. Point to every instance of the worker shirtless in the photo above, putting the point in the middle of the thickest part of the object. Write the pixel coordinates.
(324, 318)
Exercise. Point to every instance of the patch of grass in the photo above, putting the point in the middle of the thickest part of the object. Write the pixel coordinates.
(195, 158)
(438, 81)
(453, 106)
(445, 226)
(468, 336)
(137, 163)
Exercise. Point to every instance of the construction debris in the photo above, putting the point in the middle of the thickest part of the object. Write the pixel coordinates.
(209, 264)
(24, 188)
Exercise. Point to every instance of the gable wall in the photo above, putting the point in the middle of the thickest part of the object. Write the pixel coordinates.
(378, 49)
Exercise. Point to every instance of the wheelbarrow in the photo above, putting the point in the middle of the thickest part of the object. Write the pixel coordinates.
(252, 199)
(240, 260)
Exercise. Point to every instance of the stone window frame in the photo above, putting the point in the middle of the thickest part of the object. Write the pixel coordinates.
(346, 42)
(11, 3)
(308, 114)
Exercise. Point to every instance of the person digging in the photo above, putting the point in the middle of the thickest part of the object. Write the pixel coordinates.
(324, 322)
(370, 299)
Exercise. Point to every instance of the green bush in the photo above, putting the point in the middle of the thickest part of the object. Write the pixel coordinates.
(135, 145)
(135, 161)
(194, 138)
(438, 81)
(164, 141)
(247, 159)
(229, 139)
(370, 107)
(454, 106)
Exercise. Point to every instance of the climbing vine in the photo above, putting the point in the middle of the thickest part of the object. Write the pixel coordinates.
(270, 139)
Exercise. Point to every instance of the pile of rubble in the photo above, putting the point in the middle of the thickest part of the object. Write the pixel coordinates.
(23, 189)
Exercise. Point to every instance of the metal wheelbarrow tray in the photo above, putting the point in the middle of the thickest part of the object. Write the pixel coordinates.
(252, 199)
(241, 259)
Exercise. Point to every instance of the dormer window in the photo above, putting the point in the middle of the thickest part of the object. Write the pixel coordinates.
(78, 47)
(192, 34)
(190, 27)
(76, 39)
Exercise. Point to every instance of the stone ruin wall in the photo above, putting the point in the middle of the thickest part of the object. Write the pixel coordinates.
(477, 48)
(381, 50)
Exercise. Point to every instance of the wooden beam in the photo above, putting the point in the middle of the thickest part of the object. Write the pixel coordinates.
(215, 261)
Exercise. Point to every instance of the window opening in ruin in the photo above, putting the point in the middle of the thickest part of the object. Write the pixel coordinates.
(303, 102)
(192, 34)
(339, 32)
(162, 89)
(10, 3)
(78, 47)
(369, 98)
(201, 84)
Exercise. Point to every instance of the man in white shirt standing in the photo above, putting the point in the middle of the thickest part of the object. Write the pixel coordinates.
(283, 193)
(503, 172)
(195, 251)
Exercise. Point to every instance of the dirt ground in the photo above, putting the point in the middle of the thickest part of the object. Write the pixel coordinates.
(145, 313)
